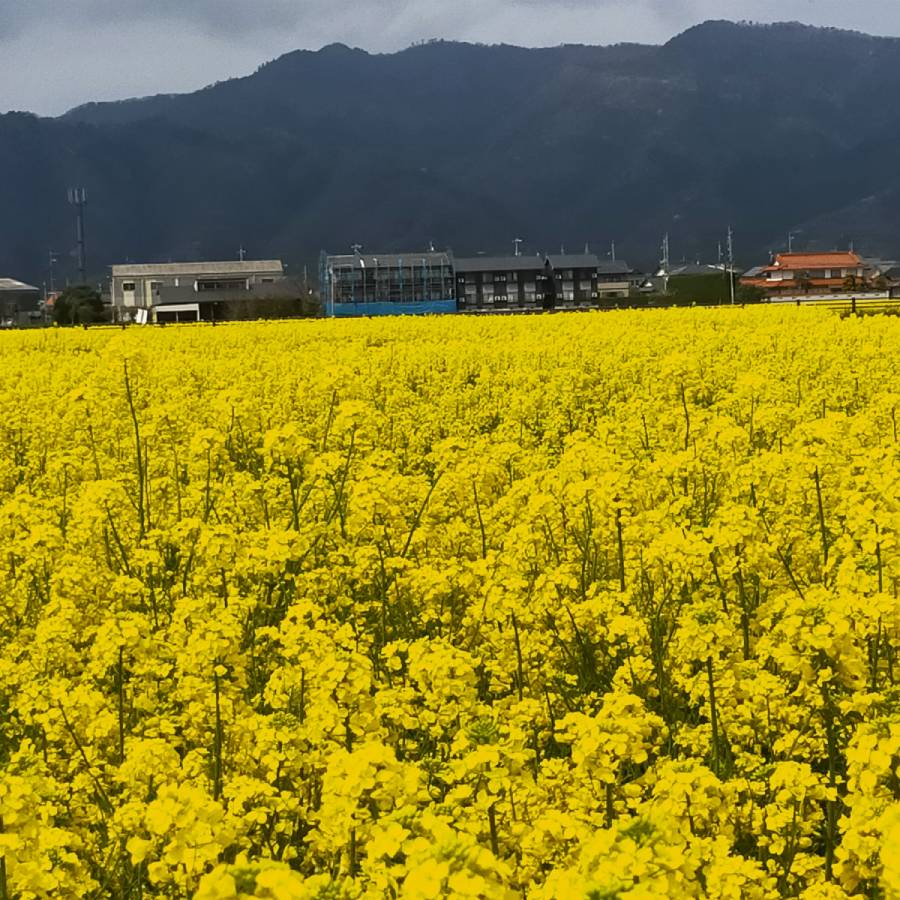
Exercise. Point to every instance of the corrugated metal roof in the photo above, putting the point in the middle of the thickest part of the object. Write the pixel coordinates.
(520, 263)
(697, 269)
(226, 267)
(11, 284)
(618, 267)
(574, 261)
(500, 263)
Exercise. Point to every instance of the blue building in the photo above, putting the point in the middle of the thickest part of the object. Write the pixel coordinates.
(358, 284)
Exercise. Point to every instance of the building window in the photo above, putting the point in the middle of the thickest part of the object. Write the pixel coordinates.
(231, 285)
(128, 286)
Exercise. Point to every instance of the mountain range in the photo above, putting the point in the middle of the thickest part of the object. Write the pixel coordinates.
(769, 129)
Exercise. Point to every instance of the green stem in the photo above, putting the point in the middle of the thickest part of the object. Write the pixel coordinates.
(492, 823)
(120, 679)
(4, 890)
(621, 548)
(217, 742)
(821, 510)
(139, 455)
(713, 714)
(520, 673)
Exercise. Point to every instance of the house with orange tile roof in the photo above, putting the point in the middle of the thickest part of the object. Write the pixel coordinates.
(805, 273)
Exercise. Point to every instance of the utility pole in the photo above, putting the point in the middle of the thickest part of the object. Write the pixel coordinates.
(612, 251)
(731, 262)
(790, 242)
(78, 199)
(664, 263)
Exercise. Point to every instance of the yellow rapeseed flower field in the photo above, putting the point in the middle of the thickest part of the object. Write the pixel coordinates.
(588, 606)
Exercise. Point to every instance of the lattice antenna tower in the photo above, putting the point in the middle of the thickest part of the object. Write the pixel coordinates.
(78, 199)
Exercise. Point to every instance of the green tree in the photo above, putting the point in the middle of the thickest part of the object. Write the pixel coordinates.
(78, 305)
(749, 293)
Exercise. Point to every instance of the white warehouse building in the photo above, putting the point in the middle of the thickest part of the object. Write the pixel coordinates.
(189, 291)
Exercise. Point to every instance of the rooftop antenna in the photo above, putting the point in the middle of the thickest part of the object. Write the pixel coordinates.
(587, 248)
(78, 199)
(242, 253)
(791, 237)
(431, 246)
(612, 251)
(356, 248)
(517, 242)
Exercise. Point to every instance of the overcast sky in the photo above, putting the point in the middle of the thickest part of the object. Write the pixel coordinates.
(55, 54)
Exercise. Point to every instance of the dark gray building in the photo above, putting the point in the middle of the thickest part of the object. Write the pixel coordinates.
(194, 290)
(527, 282)
(20, 303)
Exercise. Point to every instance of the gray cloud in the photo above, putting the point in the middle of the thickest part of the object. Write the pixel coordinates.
(55, 54)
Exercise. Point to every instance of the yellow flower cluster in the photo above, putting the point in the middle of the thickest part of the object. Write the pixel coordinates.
(595, 606)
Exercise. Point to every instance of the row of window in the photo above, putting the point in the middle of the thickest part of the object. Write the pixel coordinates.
(503, 277)
(230, 284)
(528, 297)
(567, 287)
(790, 274)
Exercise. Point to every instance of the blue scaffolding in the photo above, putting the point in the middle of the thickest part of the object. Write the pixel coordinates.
(389, 284)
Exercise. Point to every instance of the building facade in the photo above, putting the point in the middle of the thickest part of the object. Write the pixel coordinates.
(192, 291)
(527, 282)
(20, 303)
(811, 273)
(617, 280)
(412, 283)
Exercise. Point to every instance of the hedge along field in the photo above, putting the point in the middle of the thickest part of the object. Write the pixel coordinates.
(594, 606)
